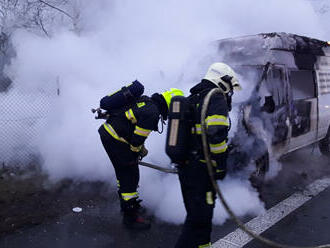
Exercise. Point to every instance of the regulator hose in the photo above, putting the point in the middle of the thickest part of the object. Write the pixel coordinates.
(218, 191)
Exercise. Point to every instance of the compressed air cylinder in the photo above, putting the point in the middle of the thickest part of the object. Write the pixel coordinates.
(179, 130)
(123, 97)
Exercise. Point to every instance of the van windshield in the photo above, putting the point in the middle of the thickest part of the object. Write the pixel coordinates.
(249, 76)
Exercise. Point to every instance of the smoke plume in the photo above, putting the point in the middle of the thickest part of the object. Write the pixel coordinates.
(163, 44)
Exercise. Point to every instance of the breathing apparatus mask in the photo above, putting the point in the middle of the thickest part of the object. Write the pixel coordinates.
(230, 92)
(224, 77)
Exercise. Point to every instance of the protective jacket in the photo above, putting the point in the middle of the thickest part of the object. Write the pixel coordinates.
(217, 124)
(135, 124)
(197, 191)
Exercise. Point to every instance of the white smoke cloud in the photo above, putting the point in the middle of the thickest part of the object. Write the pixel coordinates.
(241, 198)
(162, 44)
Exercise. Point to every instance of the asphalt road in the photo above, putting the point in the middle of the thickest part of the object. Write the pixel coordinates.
(99, 225)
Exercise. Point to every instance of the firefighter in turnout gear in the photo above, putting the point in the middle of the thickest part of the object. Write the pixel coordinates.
(123, 136)
(198, 193)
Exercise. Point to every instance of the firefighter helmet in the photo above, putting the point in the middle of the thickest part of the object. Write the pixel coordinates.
(170, 93)
(223, 76)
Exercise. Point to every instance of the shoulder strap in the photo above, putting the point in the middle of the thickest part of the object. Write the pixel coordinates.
(196, 98)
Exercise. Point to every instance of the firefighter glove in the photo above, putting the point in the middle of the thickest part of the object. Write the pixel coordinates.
(135, 148)
(143, 152)
(219, 169)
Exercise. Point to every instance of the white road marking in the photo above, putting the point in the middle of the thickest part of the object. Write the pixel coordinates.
(273, 215)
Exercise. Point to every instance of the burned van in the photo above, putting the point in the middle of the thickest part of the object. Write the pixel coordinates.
(289, 107)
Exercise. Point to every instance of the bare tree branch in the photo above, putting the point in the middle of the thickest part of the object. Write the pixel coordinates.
(37, 14)
(40, 22)
(43, 28)
(54, 7)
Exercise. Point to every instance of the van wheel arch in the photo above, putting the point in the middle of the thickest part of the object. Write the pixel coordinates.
(261, 167)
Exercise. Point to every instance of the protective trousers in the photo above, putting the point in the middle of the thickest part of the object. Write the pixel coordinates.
(199, 197)
(125, 163)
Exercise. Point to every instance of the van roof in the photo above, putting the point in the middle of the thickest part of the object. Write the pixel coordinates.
(278, 41)
(289, 49)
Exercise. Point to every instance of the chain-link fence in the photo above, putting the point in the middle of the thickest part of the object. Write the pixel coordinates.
(23, 116)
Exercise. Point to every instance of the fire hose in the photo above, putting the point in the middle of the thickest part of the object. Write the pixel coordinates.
(218, 191)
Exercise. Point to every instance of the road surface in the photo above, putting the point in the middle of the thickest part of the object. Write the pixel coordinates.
(99, 224)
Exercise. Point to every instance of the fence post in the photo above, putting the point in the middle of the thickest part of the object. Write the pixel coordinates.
(58, 85)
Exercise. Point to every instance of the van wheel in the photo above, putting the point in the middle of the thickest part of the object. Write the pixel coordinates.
(257, 177)
(324, 144)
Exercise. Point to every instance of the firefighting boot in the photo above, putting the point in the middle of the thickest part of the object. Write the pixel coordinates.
(121, 201)
(132, 218)
(141, 209)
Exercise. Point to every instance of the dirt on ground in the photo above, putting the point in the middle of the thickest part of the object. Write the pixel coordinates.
(27, 197)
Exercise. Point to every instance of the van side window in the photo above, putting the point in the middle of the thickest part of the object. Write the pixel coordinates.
(303, 89)
(275, 84)
(275, 102)
(302, 83)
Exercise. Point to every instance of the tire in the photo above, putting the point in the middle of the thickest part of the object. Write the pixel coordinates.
(324, 145)
(238, 159)
(257, 177)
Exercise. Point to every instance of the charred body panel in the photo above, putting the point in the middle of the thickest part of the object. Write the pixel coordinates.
(289, 107)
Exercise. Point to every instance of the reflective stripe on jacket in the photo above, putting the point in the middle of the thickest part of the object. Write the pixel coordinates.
(134, 125)
(217, 123)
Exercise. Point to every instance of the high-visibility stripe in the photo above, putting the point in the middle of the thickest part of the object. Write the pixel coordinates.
(135, 148)
(174, 130)
(198, 128)
(219, 148)
(118, 184)
(113, 133)
(209, 198)
(113, 93)
(141, 131)
(130, 116)
(215, 120)
(205, 246)
(118, 90)
(214, 163)
(140, 104)
(128, 196)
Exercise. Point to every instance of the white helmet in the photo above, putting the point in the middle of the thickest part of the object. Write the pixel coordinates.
(223, 76)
